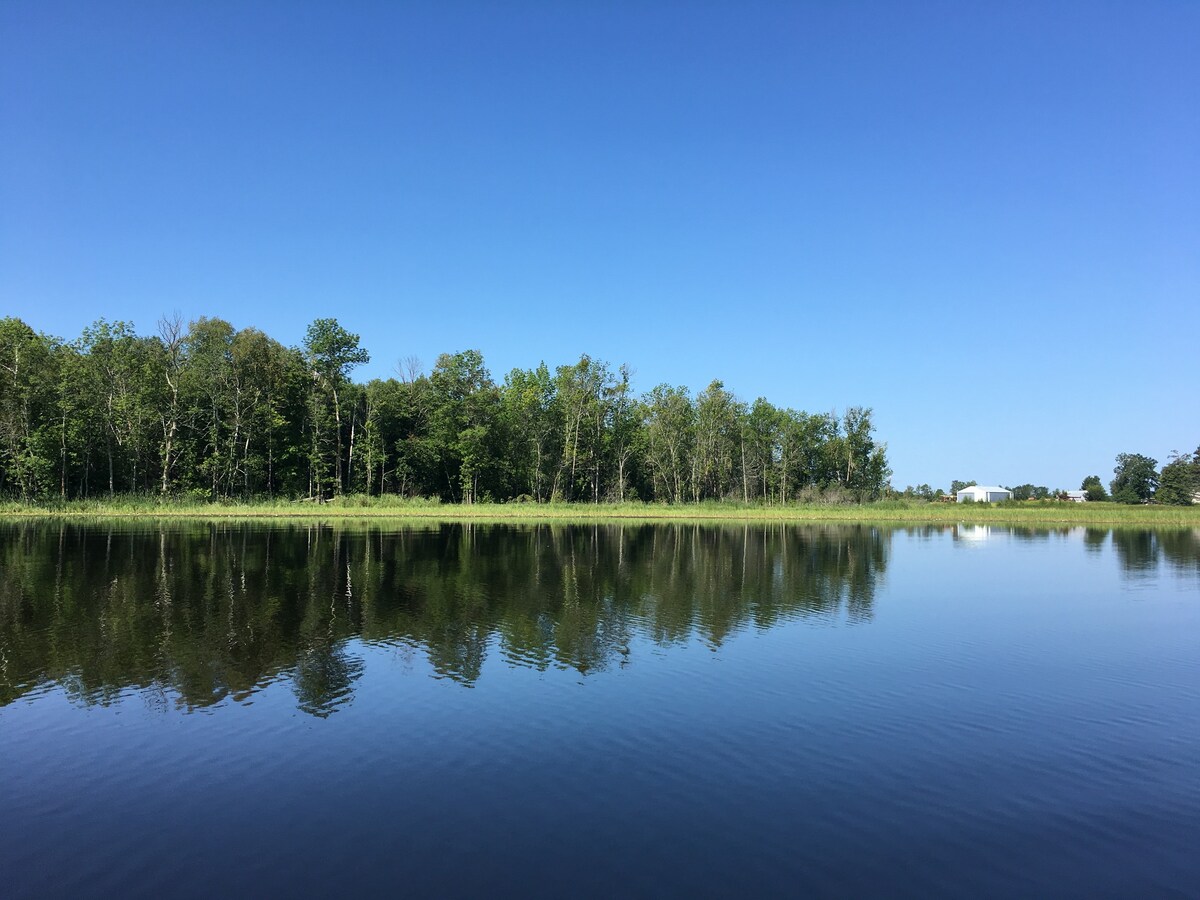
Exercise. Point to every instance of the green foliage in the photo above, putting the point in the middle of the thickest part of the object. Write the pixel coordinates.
(669, 419)
(1030, 492)
(211, 412)
(1136, 478)
(1094, 489)
(920, 492)
(1179, 482)
(332, 350)
(530, 414)
(28, 378)
(465, 404)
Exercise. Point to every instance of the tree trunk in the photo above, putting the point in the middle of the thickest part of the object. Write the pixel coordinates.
(337, 418)
(62, 453)
(168, 446)
(745, 474)
(350, 457)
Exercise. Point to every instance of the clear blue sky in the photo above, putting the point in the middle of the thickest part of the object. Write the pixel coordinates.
(980, 219)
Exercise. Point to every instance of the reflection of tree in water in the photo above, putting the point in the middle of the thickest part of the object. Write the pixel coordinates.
(1140, 551)
(210, 611)
(324, 678)
(1181, 549)
(1137, 549)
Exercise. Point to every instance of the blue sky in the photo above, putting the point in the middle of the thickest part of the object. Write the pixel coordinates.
(982, 220)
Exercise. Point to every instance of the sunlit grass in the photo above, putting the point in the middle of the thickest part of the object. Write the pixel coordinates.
(362, 507)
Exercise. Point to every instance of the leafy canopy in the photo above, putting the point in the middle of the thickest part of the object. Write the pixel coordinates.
(1136, 478)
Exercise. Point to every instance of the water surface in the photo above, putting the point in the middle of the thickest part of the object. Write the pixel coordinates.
(198, 709)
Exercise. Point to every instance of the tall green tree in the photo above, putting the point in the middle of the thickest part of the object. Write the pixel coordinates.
(582, 394)
(625, 437)
(76, 425)
(381, 413)
(27, 400)
(761, 438)
(332, 352)
(418, 456)
(171, 410)
(121, 391)
(866, 471)
(265, 408)
(813, 452)
(1179, 482)
(1136, 478)
(464, 403)
(1094, 489)
(1030, 492)
(670, 421)
(528, 401)
(715, 444)
(209, 398)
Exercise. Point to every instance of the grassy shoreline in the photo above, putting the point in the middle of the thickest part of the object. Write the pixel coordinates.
(1048, 514)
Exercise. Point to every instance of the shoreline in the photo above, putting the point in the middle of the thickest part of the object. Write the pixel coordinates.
(1049, 515)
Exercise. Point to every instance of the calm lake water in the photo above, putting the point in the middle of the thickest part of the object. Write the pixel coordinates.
(206, 710)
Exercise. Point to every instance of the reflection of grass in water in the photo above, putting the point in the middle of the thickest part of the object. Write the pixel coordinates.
(399, 508)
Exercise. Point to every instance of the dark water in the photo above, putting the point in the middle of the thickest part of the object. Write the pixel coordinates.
(612, 711)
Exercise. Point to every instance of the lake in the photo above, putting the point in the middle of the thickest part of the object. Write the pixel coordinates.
(197, 709)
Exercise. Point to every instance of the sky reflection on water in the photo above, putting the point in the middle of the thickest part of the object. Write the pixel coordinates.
(593, 710)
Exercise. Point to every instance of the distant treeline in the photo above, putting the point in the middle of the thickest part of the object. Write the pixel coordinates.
(210, 411)
(1136, 480)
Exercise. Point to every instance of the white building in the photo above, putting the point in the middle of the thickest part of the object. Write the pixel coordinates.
(977, 493)
(1077, 496)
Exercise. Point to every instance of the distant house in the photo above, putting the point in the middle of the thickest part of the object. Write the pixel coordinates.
(1077, 496)
(977, 493)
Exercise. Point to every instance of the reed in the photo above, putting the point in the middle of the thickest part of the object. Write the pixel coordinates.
(362, 507)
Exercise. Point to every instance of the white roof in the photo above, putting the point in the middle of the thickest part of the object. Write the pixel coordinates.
(983, 487)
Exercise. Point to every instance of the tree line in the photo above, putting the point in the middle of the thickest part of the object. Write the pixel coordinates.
(208, 411)
(1136, 479)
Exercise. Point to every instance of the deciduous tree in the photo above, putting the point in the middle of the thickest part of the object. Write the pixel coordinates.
(332, 352)
(1094, 489)
(1180, 480)
(1136, 478)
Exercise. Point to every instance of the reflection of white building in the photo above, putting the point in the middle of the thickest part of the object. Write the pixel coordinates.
(972, 532)
(977, 493)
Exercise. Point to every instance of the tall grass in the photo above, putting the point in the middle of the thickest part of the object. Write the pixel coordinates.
(363, 507)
